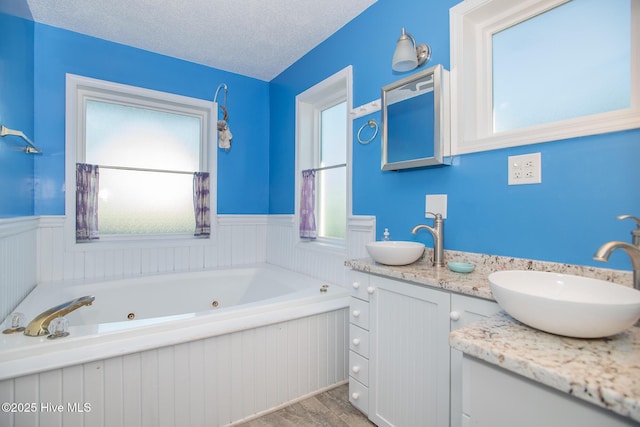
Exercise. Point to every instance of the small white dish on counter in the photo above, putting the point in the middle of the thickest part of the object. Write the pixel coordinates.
(395, 252)
(564, 304)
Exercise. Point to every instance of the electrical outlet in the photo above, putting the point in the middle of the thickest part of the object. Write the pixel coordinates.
(525, 169)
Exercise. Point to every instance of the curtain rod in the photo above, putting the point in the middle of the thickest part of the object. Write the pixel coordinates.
(124, 168)
(327, 167)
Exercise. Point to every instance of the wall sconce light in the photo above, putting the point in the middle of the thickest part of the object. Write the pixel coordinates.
(408, 54)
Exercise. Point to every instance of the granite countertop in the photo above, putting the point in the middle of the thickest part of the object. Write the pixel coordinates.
(605, 372)
(476, 283)
(423, 273)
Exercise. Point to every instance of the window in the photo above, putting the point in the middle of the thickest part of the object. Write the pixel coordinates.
(147, 145)
(332, 172)
(322, 134)
(544, 70)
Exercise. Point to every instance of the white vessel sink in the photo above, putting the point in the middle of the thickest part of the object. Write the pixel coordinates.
(566, 305)
(395, 252)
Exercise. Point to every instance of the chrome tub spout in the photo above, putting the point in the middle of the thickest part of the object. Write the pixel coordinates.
(40, 325)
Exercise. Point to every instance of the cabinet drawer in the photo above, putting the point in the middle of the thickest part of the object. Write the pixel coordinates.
(359, 368)
(359, 313)
(359, 395)
(359, 340)
(359, 283)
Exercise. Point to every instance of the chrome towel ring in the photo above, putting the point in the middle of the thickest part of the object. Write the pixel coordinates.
(372, 124)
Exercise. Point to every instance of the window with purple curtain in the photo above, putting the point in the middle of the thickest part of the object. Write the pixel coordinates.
(87, 185)
(201, 203)
(308, 205)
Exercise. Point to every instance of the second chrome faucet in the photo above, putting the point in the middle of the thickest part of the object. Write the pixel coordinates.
(632, 249)
(437, 231)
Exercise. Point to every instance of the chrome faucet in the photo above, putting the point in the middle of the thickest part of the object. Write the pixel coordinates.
(632, 249)
(437, 231)
(40, 325)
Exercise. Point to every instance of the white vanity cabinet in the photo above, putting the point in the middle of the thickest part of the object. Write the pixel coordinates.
(409, 354)
(402, 371)
(494, 397)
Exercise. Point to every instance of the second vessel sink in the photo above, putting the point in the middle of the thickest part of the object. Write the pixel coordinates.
(395, 252)
(566, 305)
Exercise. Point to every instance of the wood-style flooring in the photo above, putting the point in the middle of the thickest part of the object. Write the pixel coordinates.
(328, 409)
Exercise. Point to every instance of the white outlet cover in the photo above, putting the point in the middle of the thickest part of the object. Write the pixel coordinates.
(436, 203)
(525, 169)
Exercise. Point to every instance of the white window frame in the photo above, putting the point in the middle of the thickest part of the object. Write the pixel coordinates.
(472, 24)
(331, 91)
(79, 89)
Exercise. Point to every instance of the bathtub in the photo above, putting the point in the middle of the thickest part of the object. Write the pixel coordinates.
(204, 348)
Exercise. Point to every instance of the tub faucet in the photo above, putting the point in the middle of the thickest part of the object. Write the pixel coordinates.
(437, 231)
(40, 325)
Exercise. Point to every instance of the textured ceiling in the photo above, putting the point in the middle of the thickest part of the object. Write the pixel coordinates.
(256, 38)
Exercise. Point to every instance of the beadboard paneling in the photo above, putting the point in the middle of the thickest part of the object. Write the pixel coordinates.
(18, 261)
(33, 250)
(239, 240)
(285, 249)
(213, 381)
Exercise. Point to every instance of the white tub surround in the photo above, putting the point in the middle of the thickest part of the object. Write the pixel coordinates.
(274, 336)
(168, 309)
(212, 381)
(604, 372)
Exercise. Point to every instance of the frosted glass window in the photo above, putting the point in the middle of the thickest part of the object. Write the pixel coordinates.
(332, 183)
(571, 61)
(147, 159)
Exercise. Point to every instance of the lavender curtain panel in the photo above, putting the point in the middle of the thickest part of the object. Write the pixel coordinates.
(308, 205)
(201, 203)
(87, 185)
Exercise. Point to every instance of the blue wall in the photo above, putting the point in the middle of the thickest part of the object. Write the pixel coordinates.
(586, 181)
(242, 172)
(16, 112)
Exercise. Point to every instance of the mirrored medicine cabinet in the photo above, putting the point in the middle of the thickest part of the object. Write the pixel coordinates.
(415, 121)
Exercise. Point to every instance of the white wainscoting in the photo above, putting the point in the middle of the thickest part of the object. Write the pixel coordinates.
(33, 250)
(239, 240)
(18, 261)
(285, 249)
(213, 381)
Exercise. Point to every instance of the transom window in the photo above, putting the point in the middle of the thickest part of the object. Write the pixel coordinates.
(543, 70)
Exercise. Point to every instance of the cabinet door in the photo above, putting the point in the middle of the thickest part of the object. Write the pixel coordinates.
(409, 355)
(494, 397)
(464, 310)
